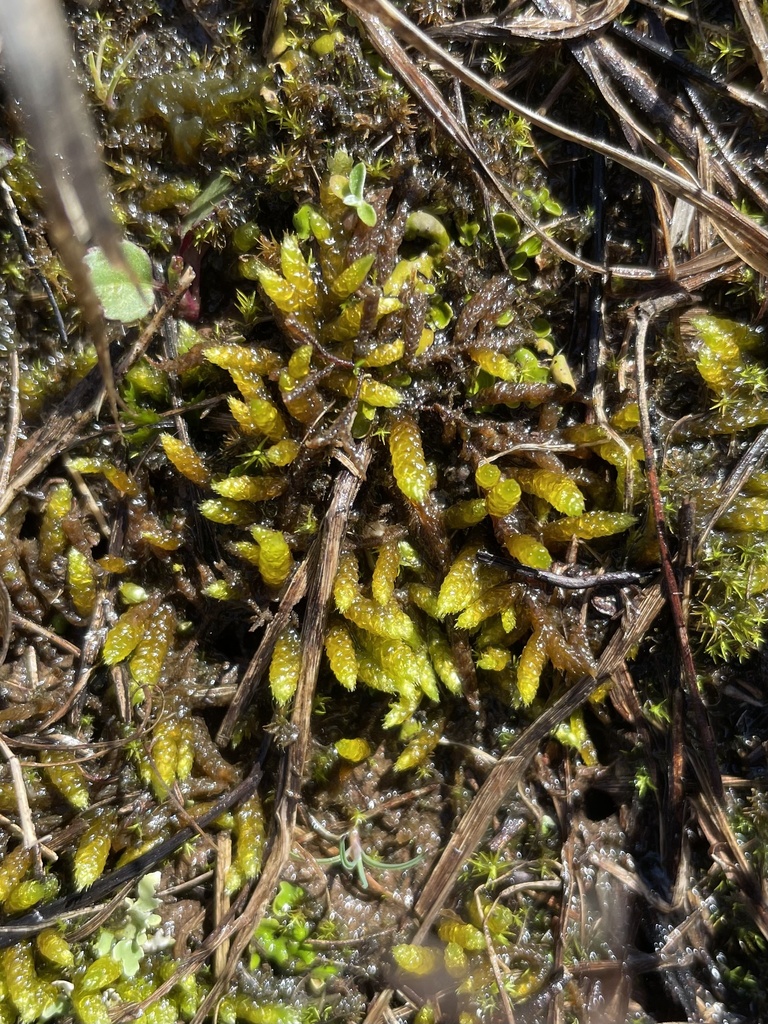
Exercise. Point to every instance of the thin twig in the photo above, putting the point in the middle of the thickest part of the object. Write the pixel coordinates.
(292, 594)
(28, 833)
(702, 727)
(221, 901)
(14, 420)
(542, 578)
(17, 230)
(28, 626)
(742, 471)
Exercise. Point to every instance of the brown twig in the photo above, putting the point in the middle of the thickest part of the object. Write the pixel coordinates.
(17, 230)
(293, 593)
(28, 833)
(221, 900)
(14, 420)
(742, 471)
(702, 728)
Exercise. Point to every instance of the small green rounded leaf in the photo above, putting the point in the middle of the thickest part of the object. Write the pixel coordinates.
(366, 213)
(126, 292)
(357, 181)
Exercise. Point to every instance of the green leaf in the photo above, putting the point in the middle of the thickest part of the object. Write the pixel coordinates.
(301, 222)
(356, 183)
(507, 228)
(366, 213)
(423, 224)
(207, 201)
(440, 315)
(125, 294)
(352, 278)
(531, 246)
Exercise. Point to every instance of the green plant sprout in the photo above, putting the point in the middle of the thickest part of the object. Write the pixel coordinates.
(644, 784)
(353, 858)
(247, 304)
(542, 200)
(105, 91)
(355, 198)
(497, 59)
(728, 50)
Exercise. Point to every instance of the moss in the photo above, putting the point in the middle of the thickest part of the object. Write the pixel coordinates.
(349, 291)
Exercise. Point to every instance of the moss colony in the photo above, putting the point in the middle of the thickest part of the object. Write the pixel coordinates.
(351, 304)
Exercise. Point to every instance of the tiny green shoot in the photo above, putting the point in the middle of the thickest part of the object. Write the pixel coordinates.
(355, 197)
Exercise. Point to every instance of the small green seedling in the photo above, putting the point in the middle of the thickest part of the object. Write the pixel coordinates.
(355, 197)
(351, 856)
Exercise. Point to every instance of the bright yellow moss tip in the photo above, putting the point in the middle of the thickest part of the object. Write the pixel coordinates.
(466, 513)
(353, 750)
(29, 994)
(503, 497)
(409, 466)
(494, 363)
(531, 664)
(119, 480)
(30, 892)
(275, 558)
(589, 526)
(81, 582)
(13, 868)
(240, 357)
(227, 512)
(340, 649)
(92, 851)
(125, 635)
(148, 660)
(556, 488)
(280, 291)
(100, 974)
(351, 278)
(51, 537)
(250, 488)
(461, 584)
(251, 835)
(185, 459)
(67, 777)
(285, 666)
(416, 960)
(528, 551)
(55, 948)
(463, 934)
(385, 573)
(297, 272)
(455, 959)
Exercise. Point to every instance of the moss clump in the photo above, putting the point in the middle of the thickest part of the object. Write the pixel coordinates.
(351, 309)
(731, 610)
